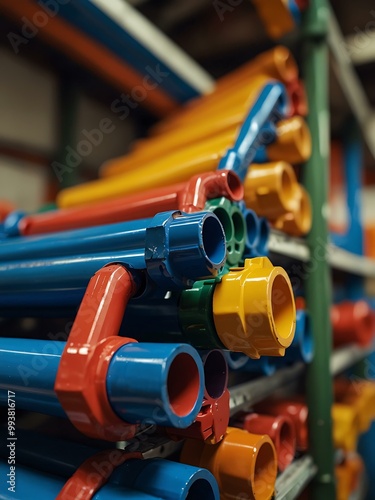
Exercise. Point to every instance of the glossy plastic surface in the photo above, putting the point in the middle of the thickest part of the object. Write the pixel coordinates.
(277, 16)
(242, 463)
(353, 322)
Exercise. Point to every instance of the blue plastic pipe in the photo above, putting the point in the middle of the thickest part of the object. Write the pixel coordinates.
(169, 239)
(158, 383)
(268, 109)
(153, 479)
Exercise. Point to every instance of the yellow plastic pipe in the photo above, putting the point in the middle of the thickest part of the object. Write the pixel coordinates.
(244, 464)
(225, 116)
(277, 63)
(179, 166)
(276, 17)
(254, 310)
(360, 395)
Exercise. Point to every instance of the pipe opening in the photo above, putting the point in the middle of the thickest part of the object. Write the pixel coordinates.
(264, 471)
(215, 374)
(252, 228)
(287, 185)
(214, 246)
(183, 384)
(304, 212)
(235, 187)
(226, 222)
(282, 304)
(287, 445)
(201, 488)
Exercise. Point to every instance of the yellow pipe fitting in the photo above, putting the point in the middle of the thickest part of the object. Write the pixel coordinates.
(276, 17)
(255, 303)
(270, 189)
(244, 464)
(298, 221)
(345, 426)
(224, 116)
(293, 143)
(347, 476)
(361, 396)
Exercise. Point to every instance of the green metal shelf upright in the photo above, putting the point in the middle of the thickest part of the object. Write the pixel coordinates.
(318, 281)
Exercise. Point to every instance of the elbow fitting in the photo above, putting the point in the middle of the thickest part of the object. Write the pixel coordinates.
(352, 322)
(242, 463)
(269, 189)
(280, 429)
(359, 395)
(254, 310)
(293, 141)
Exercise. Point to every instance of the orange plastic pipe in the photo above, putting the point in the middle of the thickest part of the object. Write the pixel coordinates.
(293, 142)
(187, 197)
(243, 464)
(298, 221)
(348, 474)
(345, 426)
(279, 428)
(276, 17)
(360, 394)
(352, 322)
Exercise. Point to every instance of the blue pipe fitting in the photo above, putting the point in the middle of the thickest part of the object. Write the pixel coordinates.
(257, 233)
(239, 362)
(158, 383)
(176, 249)
(270, 107)
(235, 360)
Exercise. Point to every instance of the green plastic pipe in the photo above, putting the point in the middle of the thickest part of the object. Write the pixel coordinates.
(318, 281)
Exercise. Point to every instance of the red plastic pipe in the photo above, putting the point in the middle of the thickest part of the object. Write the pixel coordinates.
(188, 197)
(279, 428)
(352, 322)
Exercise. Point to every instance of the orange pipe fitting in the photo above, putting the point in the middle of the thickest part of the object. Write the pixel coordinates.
(293, 143)
(187, 197)
(269, 189)
(244, 464)
(345, 426)
(348, 474)
(279, 428)
(352, 322)
(276, 17)
(295, 410)
(359, 394)
(298, 221)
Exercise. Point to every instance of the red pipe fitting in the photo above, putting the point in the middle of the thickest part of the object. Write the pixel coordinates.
(352, 322)
(81, 378)
(279, 428)
(187, 197)
(296, 411)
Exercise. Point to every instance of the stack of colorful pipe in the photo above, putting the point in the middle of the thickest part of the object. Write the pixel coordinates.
(162, 259)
